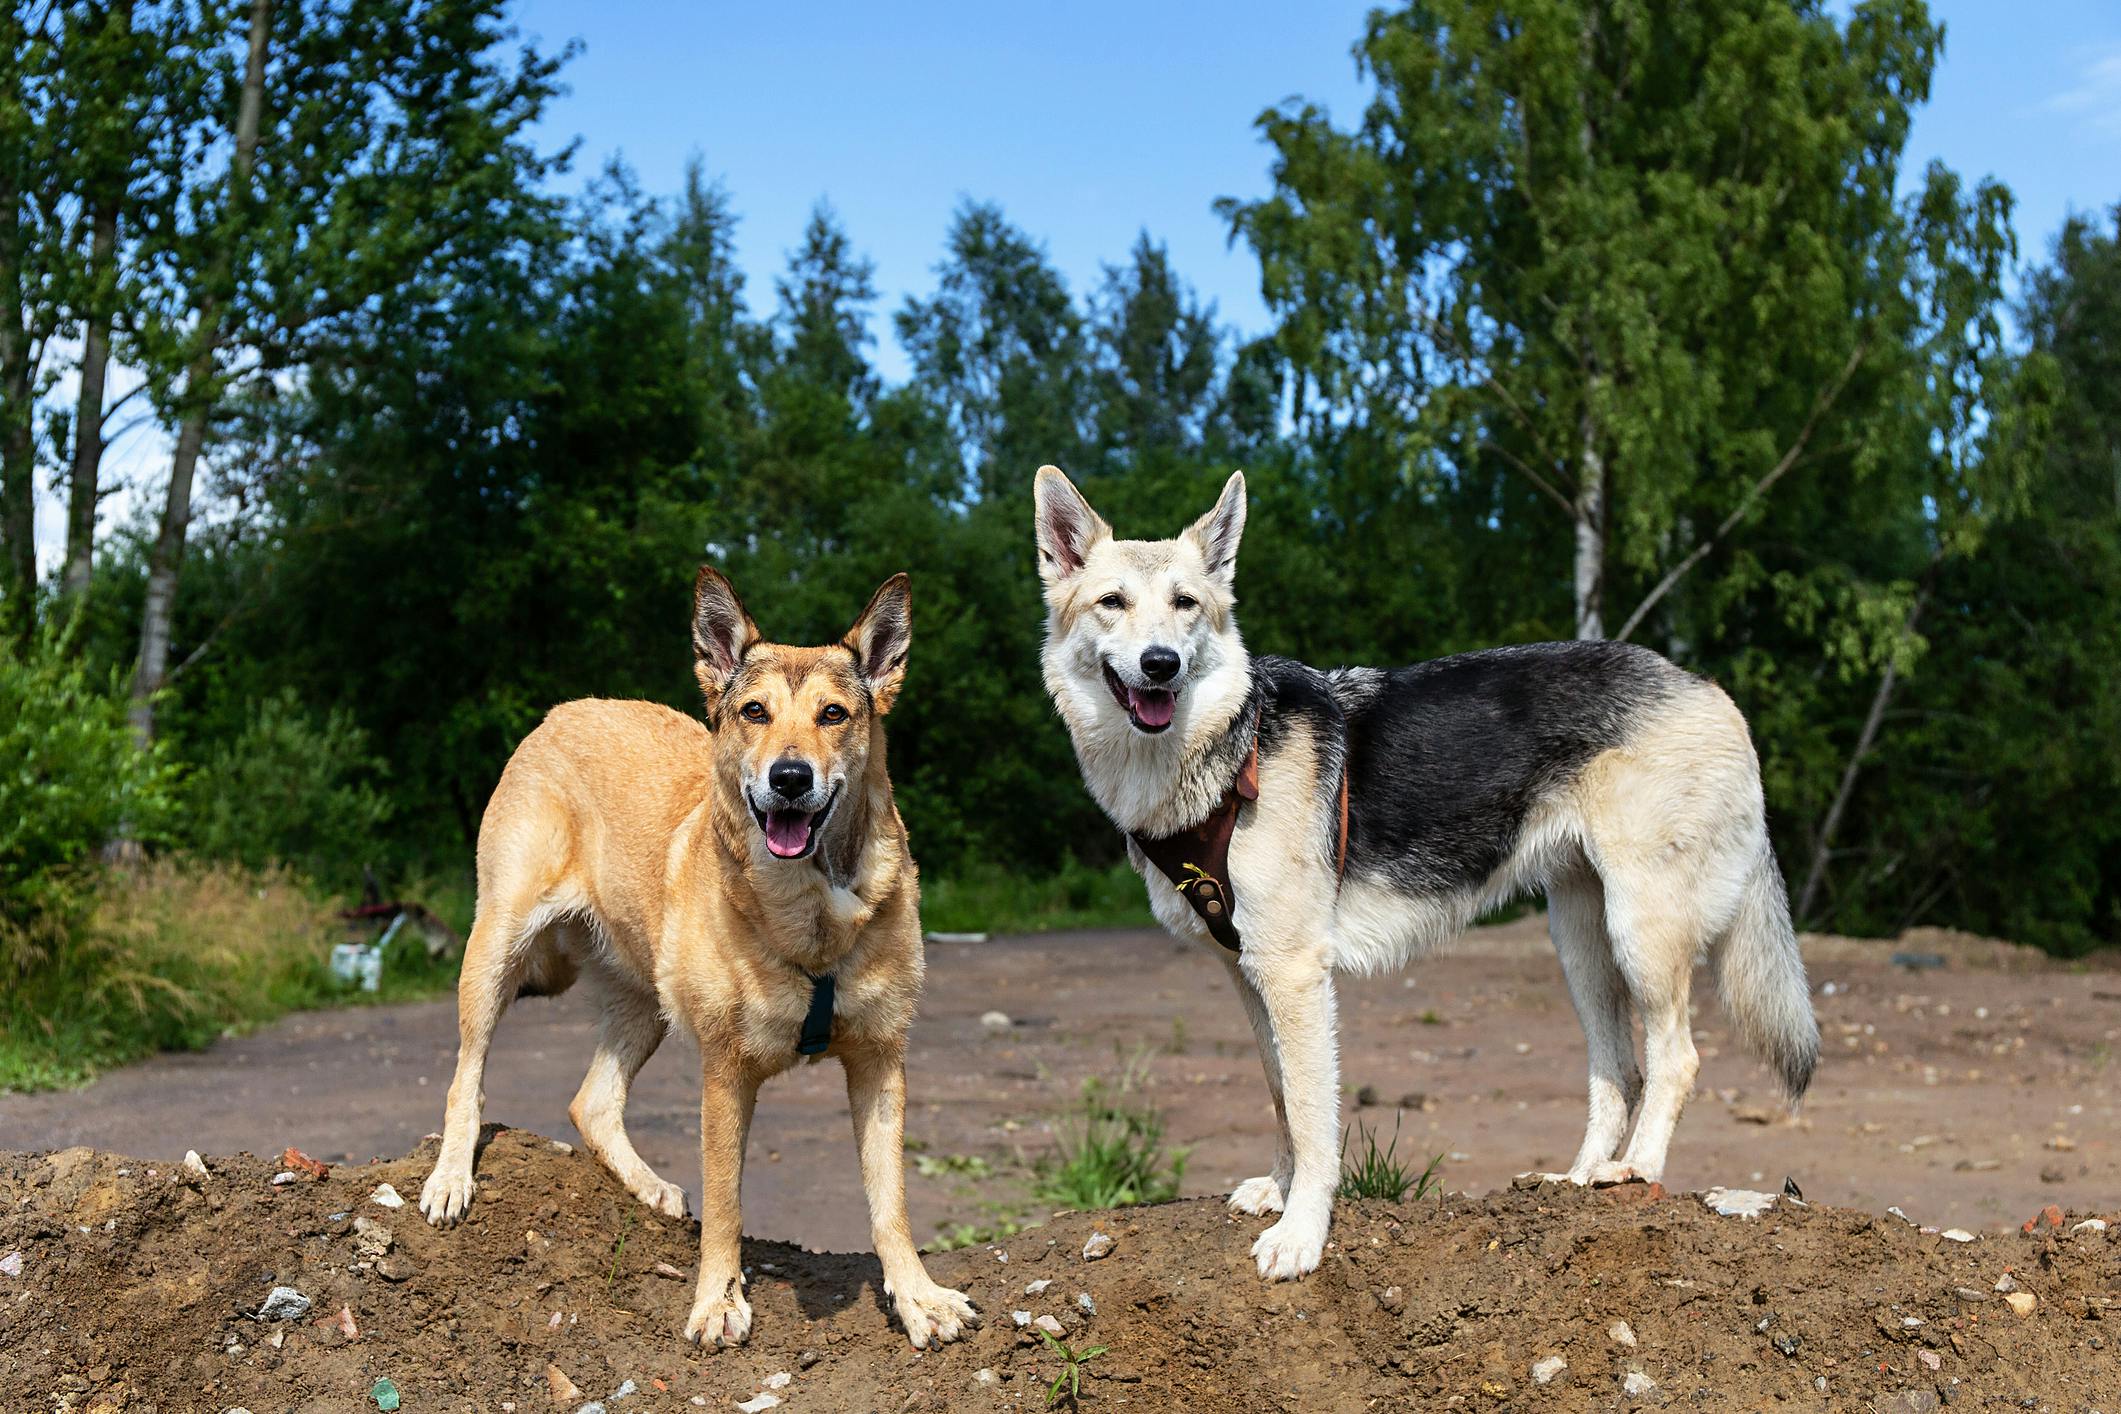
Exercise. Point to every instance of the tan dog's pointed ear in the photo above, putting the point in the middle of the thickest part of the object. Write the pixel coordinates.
(721, 631)
(881, 638)
(1067, 528)
(1218, 532)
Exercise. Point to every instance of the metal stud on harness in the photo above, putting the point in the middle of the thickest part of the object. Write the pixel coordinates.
(1197, 861)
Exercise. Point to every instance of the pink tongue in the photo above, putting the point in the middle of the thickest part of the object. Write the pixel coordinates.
(1152, 705)
(788, 832)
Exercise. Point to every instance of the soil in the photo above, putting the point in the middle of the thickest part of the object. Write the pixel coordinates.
(1972, 1095)
(1969, 1095)
(138, 1285)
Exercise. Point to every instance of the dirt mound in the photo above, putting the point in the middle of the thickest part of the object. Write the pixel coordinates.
(133, 1285)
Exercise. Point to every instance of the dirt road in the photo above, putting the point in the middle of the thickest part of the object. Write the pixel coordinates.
(1969, 1095)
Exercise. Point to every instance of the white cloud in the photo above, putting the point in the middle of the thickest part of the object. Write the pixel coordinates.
(2096, 95)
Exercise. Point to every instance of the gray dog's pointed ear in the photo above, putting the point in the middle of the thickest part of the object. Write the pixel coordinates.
(1218, 532)
(721, 631)
(881, 638)
(1067, 528)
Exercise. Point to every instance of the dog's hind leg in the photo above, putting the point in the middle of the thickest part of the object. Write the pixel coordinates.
(630, 1027)
(496, 958)
(1654, 940)
(1296, 987)
(1576, 921)
(1269, 1192)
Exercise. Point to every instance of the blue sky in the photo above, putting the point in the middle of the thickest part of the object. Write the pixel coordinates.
(1093, 122)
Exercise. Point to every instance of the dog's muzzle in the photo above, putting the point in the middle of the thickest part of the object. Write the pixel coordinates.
(1149, 708)
(792, 827)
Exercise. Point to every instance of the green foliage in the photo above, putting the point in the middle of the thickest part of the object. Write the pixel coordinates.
(1110, 1153)
(71, 780)
(993, 898)
(1378, 1173)
(1068, 1384)
(289, 788)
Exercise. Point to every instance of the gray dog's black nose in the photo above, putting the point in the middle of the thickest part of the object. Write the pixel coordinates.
(790, 779)
(1160, 664)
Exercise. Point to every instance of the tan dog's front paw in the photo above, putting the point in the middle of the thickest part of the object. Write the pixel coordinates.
(665, 1197)
(447, 1194)
(1257, 1197)
(720, 1314)
(931, 1312)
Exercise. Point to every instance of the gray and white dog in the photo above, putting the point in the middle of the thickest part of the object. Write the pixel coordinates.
(1623, 786)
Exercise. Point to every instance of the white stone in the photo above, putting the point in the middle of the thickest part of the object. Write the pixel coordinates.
(1545, 1372)
(1036, 1287)
(1050, 1326)
(1622, 1334)
(283, 1303)
(386, 1196)
(193, 1164)
(2090, 1225)
(1638, 1383)
(778, 1380)
(995, 1022)
(1022, 1318)
(1738, 1202)
(1099, 1245)
(759, 1403)
(1956, 1234)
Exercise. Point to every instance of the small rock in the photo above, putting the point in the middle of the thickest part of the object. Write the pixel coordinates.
(1738, 1202)
(1638, 1383)
(1956, 1234)
(780, 1380)
(1787, 1344)
(1548, 1370)
(194, 1165)
(563, 1390)
(1622, 1334)
(1036, 1287)
(395, 1266)
(343, 1323)
(283, 1303)
(385, 1393)
(283, 1178)
(386, 1196)
(625, 1388)
(1022, 1318)
(561, 1146)
(596, 1406)
(371, 1238)
(1899, 1213)
(808, 1358)
(759, 1403)
(984, 1374)
(2090, 1225)
(1099, 1245)
(1930, 1358)
(2021, 1303)
(995, 1022)
(11, 1264)
(1088, 1306)
(1050, 1326)
(1393, 1299)
(2006, 1282)
(2053, 1173)
(664, 1269)
(1366, 1097)
(1967, 1293)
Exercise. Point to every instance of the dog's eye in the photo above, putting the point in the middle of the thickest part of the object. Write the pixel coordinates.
(1112, 601)
(1185, 601)
(833, 714)
(754, 711)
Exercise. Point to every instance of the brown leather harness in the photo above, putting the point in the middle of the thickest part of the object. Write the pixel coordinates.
(1197, 861)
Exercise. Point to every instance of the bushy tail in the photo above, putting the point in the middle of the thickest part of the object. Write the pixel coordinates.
(1760, 976)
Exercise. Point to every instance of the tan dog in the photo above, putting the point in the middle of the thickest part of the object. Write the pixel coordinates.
(708, 875)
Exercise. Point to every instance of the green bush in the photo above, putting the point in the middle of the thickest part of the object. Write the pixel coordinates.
(995, 899)
(1111, 1153)
(292, 789)
(71, 781)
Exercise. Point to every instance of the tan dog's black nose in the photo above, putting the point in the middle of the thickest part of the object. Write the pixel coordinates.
(791, 780)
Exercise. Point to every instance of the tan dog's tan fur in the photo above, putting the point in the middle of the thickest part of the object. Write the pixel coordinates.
(621, 845)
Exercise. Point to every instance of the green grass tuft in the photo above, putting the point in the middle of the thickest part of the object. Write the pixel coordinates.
(1111, 1152)
(1378, 1173)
